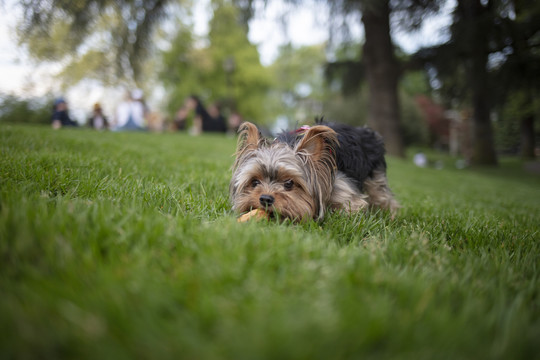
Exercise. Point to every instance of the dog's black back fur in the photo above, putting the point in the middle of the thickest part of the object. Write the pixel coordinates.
(360, 151)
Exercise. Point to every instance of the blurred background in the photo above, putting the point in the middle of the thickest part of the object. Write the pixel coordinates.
(458, 76)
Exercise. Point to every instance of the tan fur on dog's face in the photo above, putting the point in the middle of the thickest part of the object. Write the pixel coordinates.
(273, 173)
(293, 183)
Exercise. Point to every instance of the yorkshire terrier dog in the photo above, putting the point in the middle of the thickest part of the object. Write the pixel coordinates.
(307, 172)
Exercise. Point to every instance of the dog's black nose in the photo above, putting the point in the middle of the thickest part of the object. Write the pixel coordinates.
(266, 200)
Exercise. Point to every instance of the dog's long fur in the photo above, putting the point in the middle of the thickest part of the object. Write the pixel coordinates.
(302, 175)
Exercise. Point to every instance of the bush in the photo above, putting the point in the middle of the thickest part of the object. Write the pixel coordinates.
(34, 110)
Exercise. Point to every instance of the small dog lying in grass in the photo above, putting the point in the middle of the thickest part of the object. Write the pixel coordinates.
(304, 173)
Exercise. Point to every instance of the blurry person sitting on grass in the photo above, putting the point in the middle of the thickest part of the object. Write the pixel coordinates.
(60, 115)
(98, 121)
(210, 120)
(130, 114)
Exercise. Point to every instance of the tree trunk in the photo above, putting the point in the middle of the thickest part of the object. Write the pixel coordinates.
(527, 82)
(483, 148)
(477, 19)
(382, 73)
(527, 137)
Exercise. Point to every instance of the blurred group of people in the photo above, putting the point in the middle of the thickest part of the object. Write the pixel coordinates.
(205, 119)
(132, 114)
(60, 117)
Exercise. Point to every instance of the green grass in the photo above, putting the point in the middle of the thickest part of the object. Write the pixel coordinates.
(123, 245)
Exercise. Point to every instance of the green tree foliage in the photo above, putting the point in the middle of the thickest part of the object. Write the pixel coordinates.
(509, 125)
(491, 64)
(103, 39)
(347, 99)
(299, 87)
(351, 108)
(378, 64)
(184, 68)
(382, 69)
(413, 123)
(305, 88)
(232, 53)
(32, 111)
(227, 70)
(516, 64)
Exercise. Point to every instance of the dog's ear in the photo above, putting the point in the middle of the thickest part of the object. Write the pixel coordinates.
(319, 143)
(249, 137)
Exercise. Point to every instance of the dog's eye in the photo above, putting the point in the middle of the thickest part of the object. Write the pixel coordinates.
(255, 182)
(288, 185)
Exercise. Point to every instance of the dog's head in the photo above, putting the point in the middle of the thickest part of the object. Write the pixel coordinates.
(287, 181)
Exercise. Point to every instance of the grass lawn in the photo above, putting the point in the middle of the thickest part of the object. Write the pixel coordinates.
(123, 245)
